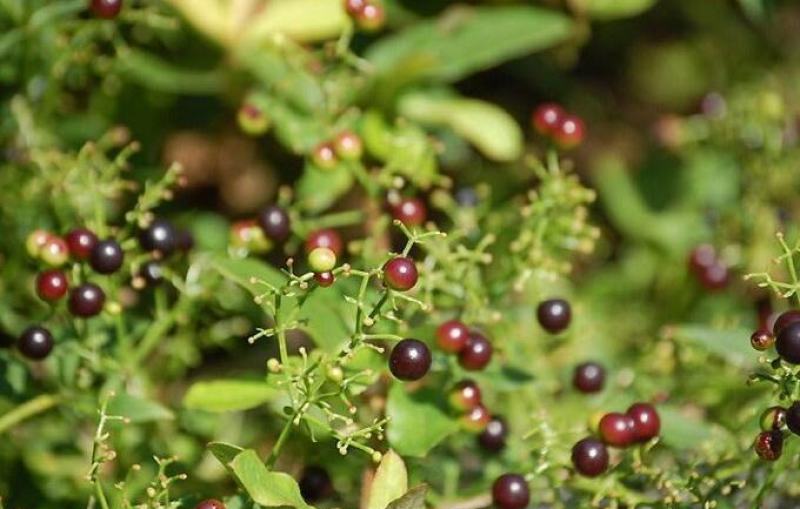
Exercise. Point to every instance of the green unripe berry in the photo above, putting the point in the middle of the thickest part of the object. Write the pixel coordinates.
(322, 259)
(773, 418)
(252, 120)
(36, 241)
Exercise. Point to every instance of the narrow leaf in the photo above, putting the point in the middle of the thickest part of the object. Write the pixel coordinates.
(228, 395)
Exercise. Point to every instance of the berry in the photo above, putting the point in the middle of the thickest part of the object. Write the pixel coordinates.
(348, 146)
(275, 222)
(151, 273)
(569, 132)
(647, 424)
(546, 118)
(51, 285)
(371, 18)
(510, 491)
(106, 257)
(451, 336)
(80, 242)
(715, 277)
(702, 257)
(467, 197)
(35, 343)
(410, 359)
(249, 236)
(400, 273)
(315, 484)
(322, 259)
(55, 251)
(617, 429)
(184, 240)
(466, 395)
(36, 241)
(324, 156)
(324, 279)
(160, 237)
(769, 445)
(410, 211)
(785, 318)
(590, 457)
(762, 340)
(787, 343)
(476, 419)
(589, 377)
(476, 354)
(86, 300)
(325, 237)
(793, 417)
(107, 9)
(252, 119)
(354, 7)
(773, 418)
(554, 315)
(493, 437)
(211, 503)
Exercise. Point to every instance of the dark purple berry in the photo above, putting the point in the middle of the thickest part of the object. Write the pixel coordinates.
(493, 437)
(647, 423)
(410, 360)
(769, 445)
(554, 315)
(785, 318)
(106, 257)
(151, 273)
(107, 9)
(315, 484)
(702, 257)
(510, 491)
(86, 300)
(787, 344)
(51, 285)
(793, 417)
(400, 273)
(590, 457)
(159, 237)
(275, 222)
(589, 377)
(81, 241)
(451, 336)
(477, 352)
(35, 343)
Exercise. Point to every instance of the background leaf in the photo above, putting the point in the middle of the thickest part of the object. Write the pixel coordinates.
(613, 9)
(228, 395)
(138, 409)
(413, 499)
(390, 482)
(417, 423)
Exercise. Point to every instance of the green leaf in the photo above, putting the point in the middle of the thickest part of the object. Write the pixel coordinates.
(228, 395)
(413, 499)
(324, 313)
(417, 423)
(732, 345)
(291, 18)
(224, 452)
(390, 482)
(268, 489)
(138, 409)
(319, 189)
(465, 40)
(242, 270)
(493, 131)
(157, 74)
(613, 9)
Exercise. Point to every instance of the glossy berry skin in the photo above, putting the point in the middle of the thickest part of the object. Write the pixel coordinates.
(476, 354)
(275, 222)
(36, 241)
(86, 300)
(465, 395)
(787, 344)
(211, 503)
(451, 336)
(554, 315)
(55, 251)
(647, 424)
(510, 491)
(322, 259)
(248, 235)
(81, 241)
(159, 237)
(315, 484)
(546, 118)
(569, 132)
(151, 273)
(762, 340)
(617, 429)
(348, 146)
(475, 419)
(793, 418)
(324, 156)
(589, 377)
(106, 257)
(51, 285)
(324, 279)
(410, 211)
(325, 237)
(108, 9)
(371, 18)
(493, 437)
(400, 273)
(354, 7)
(769, 445)
(35, 343)
(773, 418)
(590, 457)
(410, 360)
(784, 319)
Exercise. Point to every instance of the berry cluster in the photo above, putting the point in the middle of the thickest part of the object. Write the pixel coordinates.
(368, 15)
(474, 350)
(708, 268)
(465, 398)
(258, 236)
(330, 242)
(346, 146)
(564, 129)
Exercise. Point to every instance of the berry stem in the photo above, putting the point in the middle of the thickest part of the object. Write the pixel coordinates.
(163, 322)
(284, 353)
(285, 432)
(28, 409)
(789, 258)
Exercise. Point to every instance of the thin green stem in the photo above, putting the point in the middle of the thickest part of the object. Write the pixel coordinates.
(100, 494)
(276, 450)
(155, 333)
(28, 409)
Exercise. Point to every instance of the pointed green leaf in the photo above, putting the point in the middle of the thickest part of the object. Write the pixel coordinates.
(413, 499)
(224, 452)
(268, 489)
(138, 409)
(228, 395)
(390, 482)
(417, 422)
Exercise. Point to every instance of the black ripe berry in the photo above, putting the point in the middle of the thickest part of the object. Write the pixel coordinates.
(510, 491)
(476, 354)
(769, 445)
(315, 484)
(152, 273)
(159, 237)
(81, 242)
(211, 503)
(787, 343)
(647, 423)
(108, 9)
(589, 377)
(86, 300)
(400, 273)
(793, 418)
(410, 359)
(785, 318)
(35, 343)
(554, 315)
(773, 418)
(590, 457)
(106, 257)
(451, 336)
(275, 222)
(617, 429)
(762, 340)
(493, 437)
(51, 285)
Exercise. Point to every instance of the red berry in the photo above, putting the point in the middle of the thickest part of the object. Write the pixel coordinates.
(51, 285)
(315, 484)
(769, 445)
(546, 118)
(785, 318)
(325, 237)
(324, 156)
(35, 343)
(762, 340)
(590, 457)
(275, 222)
(354, 7)
(410, 211)
(510, 491)
(348, 146)
(617, 429)
(108, 9)
(647, 424)
(55, 251)
(702, 257)
(211, 503)
(589, 377)
(400, 273)
(324, 279)
(86, 300)
(80, 242)
(715, 277)
(787, 344)
(493, 438)
(569, 132)
(773, 418)
(554, 315)
(477, 352)
(410, 360)
(476, 419)
(371, 18)
(451, 336)
(466, 395)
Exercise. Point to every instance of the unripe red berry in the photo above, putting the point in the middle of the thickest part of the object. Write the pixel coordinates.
(647, 423)
(773, 418)
(769, 445)
(81, 241)
(762, 340)
(51, 285)
(410, 211)
(400, 273)
(465, 395)
(451, 336)
(546, 118)
(475, 419)
(252, 120)
(324, 279)
(324, 156)
(107, 9)
(348, 146)
(617, 429)
(55, 251)
(477, 352)
(325, 237)
(569, 132)
(211, 503)
(371, 18)
(354, 7)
